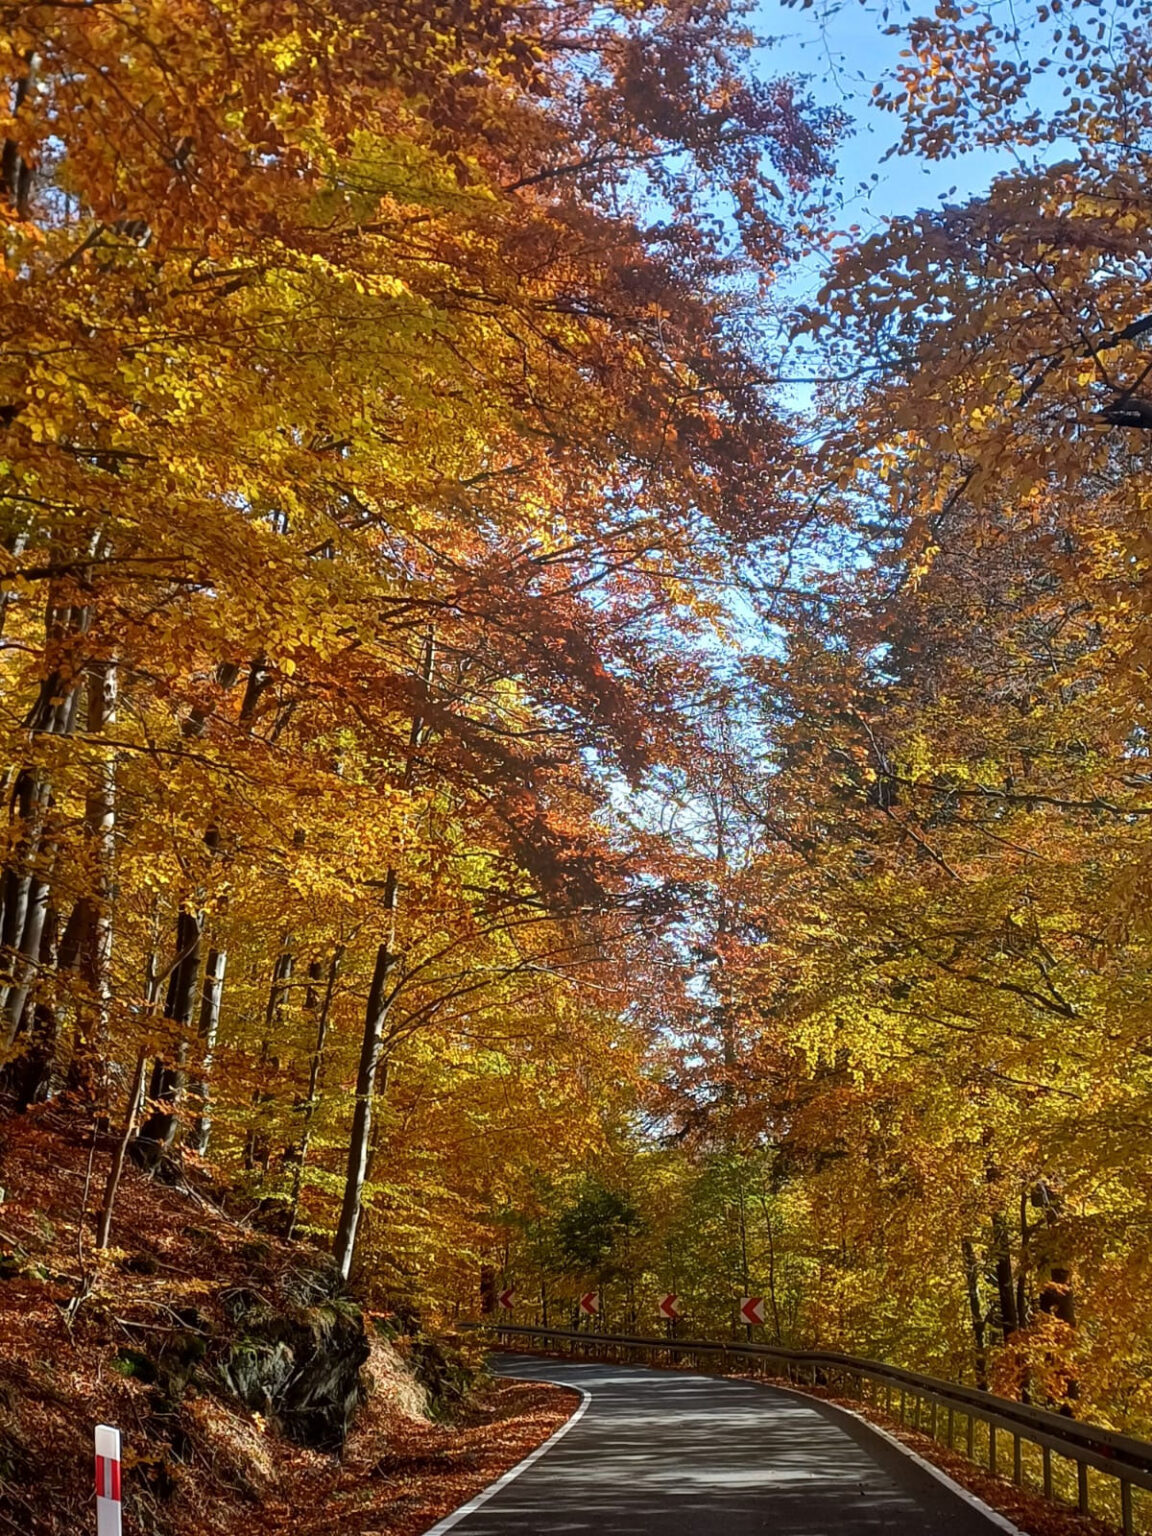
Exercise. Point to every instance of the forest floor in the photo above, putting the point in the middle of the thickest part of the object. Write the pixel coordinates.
(83, 1340)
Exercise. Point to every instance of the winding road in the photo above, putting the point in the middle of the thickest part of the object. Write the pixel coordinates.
(661, 1453)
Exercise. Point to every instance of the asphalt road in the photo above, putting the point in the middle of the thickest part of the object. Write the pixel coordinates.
(660, 1453)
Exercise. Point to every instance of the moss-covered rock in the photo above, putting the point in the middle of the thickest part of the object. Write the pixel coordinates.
(300, 1367)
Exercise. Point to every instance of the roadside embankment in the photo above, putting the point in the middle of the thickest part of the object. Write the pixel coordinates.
(241, 1374)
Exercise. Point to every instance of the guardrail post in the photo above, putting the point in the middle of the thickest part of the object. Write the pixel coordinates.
(1047, 1457)
(992, 1448)
(1082, 1487)
(901, 1405)
(932, 1420)
(1126, 1506)
(971, 1437)
(1017, 1466)
(951, 1425)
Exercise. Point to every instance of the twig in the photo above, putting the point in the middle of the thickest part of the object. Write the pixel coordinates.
(84, 1201)
(84, 1286)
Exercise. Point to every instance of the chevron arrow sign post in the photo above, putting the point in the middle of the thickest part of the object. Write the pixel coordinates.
(752, 1310)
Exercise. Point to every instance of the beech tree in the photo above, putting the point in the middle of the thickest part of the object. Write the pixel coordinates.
(946, 1040)
(365, 440)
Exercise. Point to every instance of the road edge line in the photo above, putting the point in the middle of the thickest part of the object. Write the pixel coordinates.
(973, 1500)
(485, 1494)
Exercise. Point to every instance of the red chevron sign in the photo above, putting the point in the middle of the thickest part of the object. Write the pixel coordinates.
(590, 1302)
(670, 1306)
(752, 1310)
(505, 1298)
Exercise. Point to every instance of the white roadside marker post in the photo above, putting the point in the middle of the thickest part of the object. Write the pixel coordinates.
(107, 1481)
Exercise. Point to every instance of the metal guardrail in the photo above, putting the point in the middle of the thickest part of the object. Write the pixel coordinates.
(924, 1401)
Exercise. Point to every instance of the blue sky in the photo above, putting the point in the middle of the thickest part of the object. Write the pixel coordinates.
(840, 45)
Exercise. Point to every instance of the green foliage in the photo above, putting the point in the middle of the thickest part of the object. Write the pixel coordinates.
(594, 1229)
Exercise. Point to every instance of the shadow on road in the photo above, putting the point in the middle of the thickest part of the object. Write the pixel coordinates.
(660, 1452)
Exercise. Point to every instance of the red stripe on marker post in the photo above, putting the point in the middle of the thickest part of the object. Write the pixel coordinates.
(108, 1478)
(107, 1481)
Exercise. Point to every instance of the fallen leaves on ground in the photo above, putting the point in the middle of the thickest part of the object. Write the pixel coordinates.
(401, 1475)
(76, 1332)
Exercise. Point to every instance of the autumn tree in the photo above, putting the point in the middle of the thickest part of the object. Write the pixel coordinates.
(366, 437)
(953, 820)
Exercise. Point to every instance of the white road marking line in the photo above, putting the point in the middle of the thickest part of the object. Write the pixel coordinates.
(994, 1517)
(514, 1472)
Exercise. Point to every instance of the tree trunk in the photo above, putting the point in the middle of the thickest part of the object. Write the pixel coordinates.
(375, 1014)
(1058, 1299)
(158, 1132)
(321, 1011)
(975, 1311)
(370, 1050)
(88, 942)
(1022, 1308)
(27, 957)
(772, 1299)
(742, 1216)
(258, 1142)
(167, 1074)
(37, 1070)
(1005, 1279)
(15, 170)
(28, 877)
(198, 1090)
(359, 1142)
(25, 896)
(135, 1098)
(135, 1102)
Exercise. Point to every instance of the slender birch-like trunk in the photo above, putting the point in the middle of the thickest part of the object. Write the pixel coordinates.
(210, 999)
(28, 877)
(371, 1047)
(158, 1132)
(375, 1016)
(35, 1073)
(135, 1103)
(258, 1143)
(87, 943)
(115, 1172)
(321, 1010)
